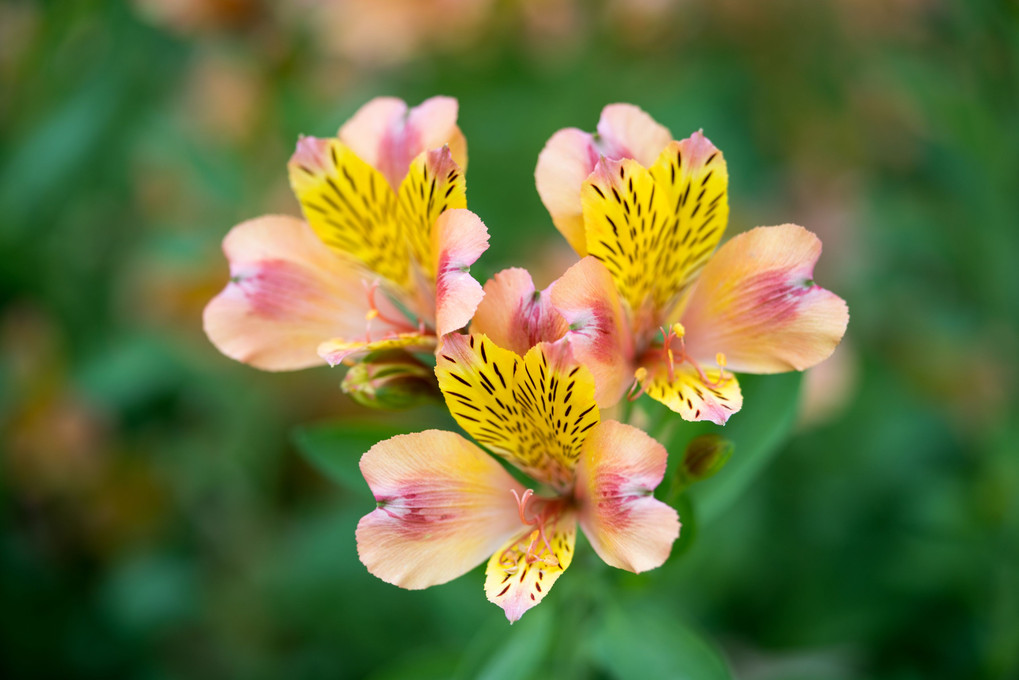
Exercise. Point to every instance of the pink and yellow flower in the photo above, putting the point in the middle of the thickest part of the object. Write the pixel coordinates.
(653, 306)
(381, 259)
(444, 505)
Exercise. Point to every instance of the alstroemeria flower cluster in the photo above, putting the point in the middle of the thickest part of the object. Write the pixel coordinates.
(380, 260)
(654, 306)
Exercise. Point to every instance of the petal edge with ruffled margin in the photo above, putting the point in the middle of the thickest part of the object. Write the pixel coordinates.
(570, 155)
(459, 238)
(599, 334)
(515, 315)
(387, 136)
(287, 293)
(756, 302)
(517, 585)
(444, 506)
(618, 471)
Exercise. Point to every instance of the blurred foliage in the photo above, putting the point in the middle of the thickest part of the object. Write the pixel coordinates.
(157, 520)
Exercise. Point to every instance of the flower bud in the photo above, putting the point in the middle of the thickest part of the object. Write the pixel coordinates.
(705, 456)
(390, 379)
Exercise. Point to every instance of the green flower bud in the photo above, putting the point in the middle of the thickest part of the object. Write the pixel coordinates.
(704, 457)
(391, 380)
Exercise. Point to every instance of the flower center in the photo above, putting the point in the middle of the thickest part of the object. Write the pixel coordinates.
(371, 289)
(535, 546)
(674, 358)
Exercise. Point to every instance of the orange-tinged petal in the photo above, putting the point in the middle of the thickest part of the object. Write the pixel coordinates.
(599, 333)
(712, 396)
(535, 411)
(444, 506)
(563, 165)
(756, 303)
(388, 137)
(287, 293)
(618, 470)
(518, 576)
(337, 350)
(350, 206)
(624, 131)
(433, 185)
(460, 238)
(515, 315)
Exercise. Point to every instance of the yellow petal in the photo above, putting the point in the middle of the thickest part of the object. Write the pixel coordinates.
(434, 184)
(624, 131)
(693, 397)
(517, 583)
(535, 411)
(693, 177)
(655, 228)
(350, 206)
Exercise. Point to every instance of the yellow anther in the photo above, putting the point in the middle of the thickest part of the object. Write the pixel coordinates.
(640, 374)
(720, 360)
(371, 314)
(678, 330)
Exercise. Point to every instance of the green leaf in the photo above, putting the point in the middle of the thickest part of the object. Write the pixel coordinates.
(335, 448)
(636, 641)
(757, 431)
(511, 652)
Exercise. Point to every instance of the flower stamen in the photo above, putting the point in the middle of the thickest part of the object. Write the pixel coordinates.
(537, 543)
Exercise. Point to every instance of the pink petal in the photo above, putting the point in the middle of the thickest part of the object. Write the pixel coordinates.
(388, 137)
(287, 293)
(756, 302)
(516, 316)
(624, 131)
(627, 131)
(599, 332)
(459, 237)
(444, 506)
(618, 471)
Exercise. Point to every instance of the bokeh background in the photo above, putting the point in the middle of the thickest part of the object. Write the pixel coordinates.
(167, 513)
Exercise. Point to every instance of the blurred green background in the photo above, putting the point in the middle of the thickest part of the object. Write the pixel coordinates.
(159, 518)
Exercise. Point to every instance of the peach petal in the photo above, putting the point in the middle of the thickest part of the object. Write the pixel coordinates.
(287, 293)
(599, 332)
(756, 302)
(618, 471)
(443, 507)
(515, 315)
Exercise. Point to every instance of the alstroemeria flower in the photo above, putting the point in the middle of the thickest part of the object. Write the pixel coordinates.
(382, 259)
(444, 505)
(654, 306)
